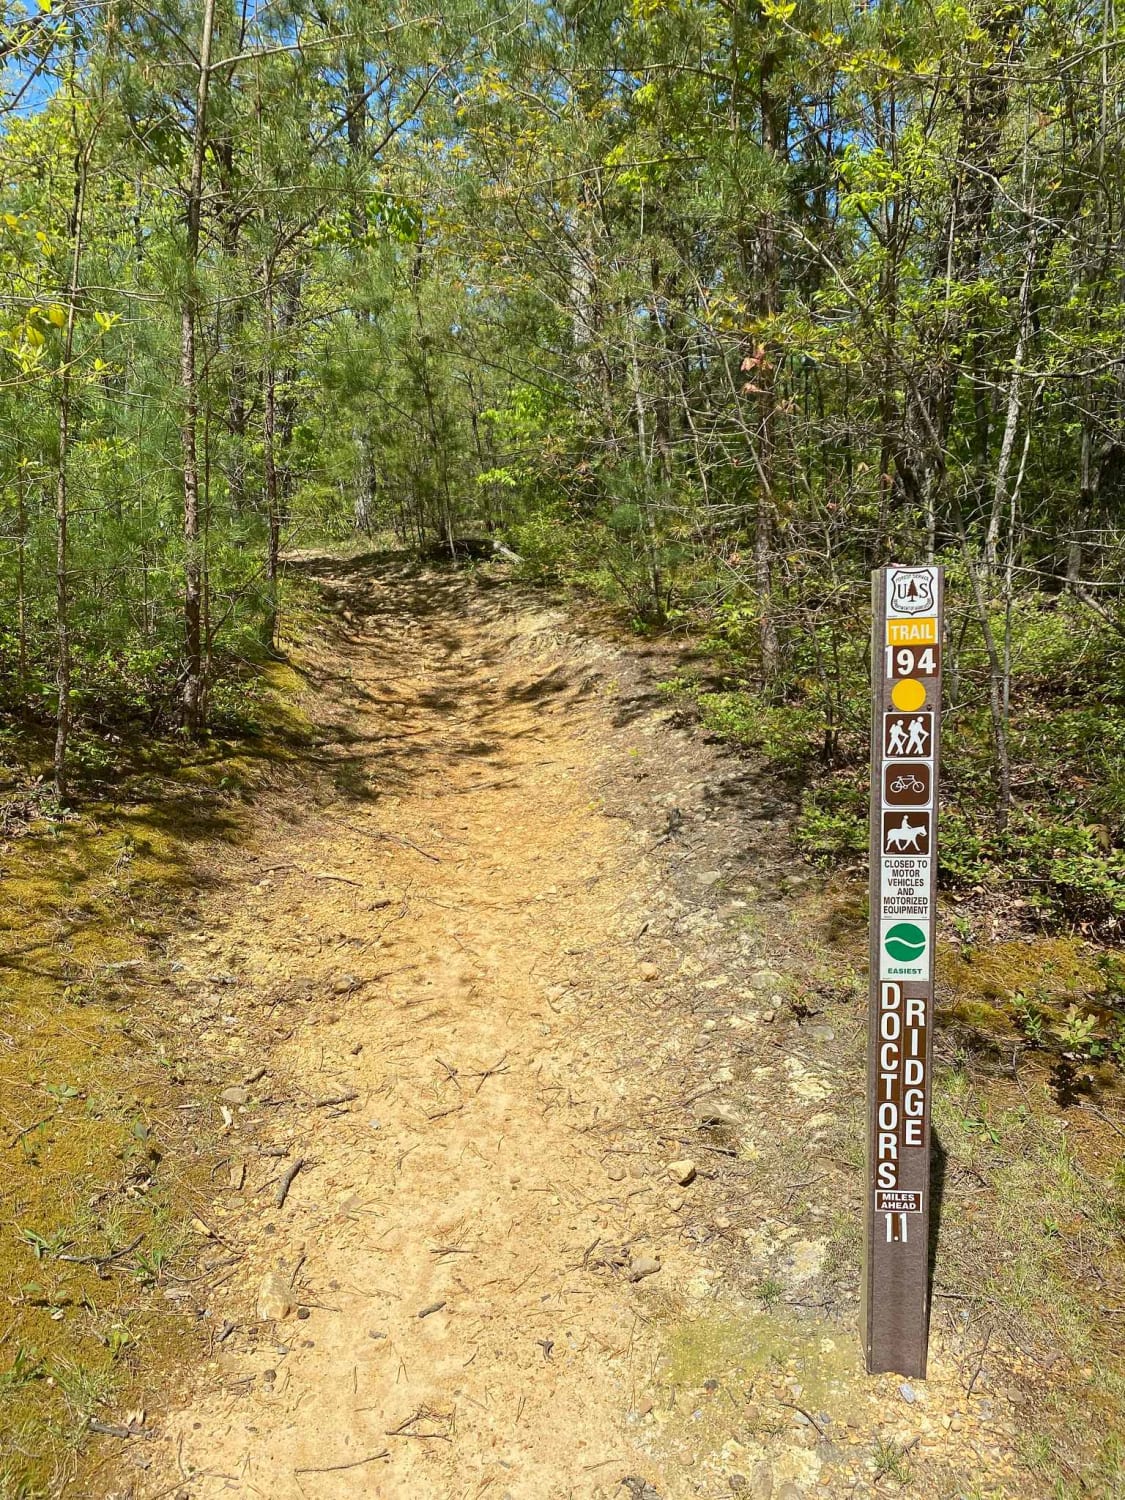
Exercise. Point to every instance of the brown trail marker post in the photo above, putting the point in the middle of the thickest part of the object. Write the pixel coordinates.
(906, 642)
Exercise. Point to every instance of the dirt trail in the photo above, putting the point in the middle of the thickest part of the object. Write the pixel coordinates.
(489, 1019)
(462, 884)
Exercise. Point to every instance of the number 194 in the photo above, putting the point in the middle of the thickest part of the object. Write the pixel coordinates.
(912, 661)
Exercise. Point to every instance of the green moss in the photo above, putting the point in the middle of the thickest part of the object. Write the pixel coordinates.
(92, 1158)
(978, 1015)
(741, 1347)
(1056, 969)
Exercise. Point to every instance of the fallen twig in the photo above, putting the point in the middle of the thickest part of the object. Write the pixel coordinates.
(398, 838)
(808, 1416)
(118, 1429)
(497, 1067)
(980, 1362)
(441, 1113)
(27, 1129)
(424, 1414)
(354, 1463)
(450, 1072)
(1101, 1114)
(102, 1260)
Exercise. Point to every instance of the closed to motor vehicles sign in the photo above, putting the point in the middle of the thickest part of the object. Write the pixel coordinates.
(907, 604)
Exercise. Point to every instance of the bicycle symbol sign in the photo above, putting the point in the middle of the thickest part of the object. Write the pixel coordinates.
(906, 783)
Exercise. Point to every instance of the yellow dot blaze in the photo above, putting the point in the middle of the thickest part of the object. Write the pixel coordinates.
(908, 694)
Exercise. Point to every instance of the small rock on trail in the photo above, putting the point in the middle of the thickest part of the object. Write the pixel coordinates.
(275, 1300)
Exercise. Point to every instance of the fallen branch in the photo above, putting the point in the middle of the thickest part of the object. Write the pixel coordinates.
(1088, 599)
(287, 1182)
(343, 1098)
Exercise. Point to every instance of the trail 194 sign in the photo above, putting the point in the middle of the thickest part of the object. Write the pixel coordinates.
(906, 692)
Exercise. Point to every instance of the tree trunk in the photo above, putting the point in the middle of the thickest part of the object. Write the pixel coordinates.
(62, 499)
(1000, 493)
(21, 581)
(1087, 493)
(269, 457)
(773, 113)
(194, 676)
(999, 685)
(444, 519)
(649, 539)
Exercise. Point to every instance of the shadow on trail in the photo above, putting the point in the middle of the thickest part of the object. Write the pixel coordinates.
(423, 677)
(448, 676)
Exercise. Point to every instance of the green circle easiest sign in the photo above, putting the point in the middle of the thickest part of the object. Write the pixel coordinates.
(905, 942)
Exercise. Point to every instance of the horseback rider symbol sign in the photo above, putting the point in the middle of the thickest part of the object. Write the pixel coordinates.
(906, 833)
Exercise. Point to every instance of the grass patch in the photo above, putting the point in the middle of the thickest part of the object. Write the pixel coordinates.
(1031, 1230)
(892, 1461)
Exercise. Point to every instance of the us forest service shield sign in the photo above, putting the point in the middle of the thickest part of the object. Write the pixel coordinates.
(912, 591)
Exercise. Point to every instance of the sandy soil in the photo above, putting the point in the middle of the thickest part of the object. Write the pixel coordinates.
(518, 950)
